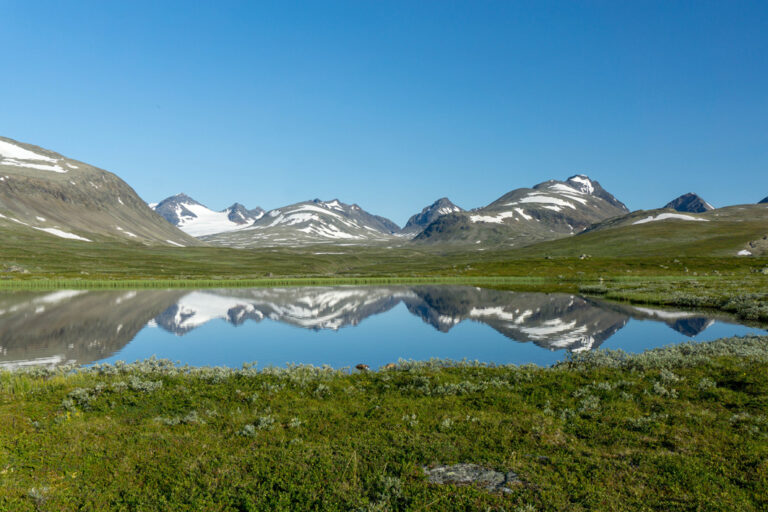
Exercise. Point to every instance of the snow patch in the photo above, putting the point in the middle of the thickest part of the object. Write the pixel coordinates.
(743, 252)
(62, 234)
(665, 216)
(41, 167)
(583, 183)
(126, 232)
(9, 150)
(541, 199)
(496, 219)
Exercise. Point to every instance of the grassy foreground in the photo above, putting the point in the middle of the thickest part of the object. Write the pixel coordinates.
(680, 428)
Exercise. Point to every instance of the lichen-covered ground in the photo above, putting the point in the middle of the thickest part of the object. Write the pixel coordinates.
(682, 428)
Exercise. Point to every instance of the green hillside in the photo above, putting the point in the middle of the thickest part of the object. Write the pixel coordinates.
(722, 232)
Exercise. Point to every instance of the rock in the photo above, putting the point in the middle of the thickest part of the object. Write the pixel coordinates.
(389, 366)
(363, 367)
(471, 474)
(17, 269)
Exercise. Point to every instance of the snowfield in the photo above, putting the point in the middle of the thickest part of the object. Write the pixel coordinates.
(62, 234)
(16, 156)
(206, 221)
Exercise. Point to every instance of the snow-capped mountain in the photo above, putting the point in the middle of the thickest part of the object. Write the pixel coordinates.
(428, 215)
(45, 192)
(690, 203)
(198, 220)
(552, 209)
(311, 222)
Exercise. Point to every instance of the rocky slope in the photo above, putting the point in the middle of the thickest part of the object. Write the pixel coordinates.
(47, 193)
(552, 209)
(198, 220)
(690, 203)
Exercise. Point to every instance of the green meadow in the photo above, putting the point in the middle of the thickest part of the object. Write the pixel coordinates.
(680, 428)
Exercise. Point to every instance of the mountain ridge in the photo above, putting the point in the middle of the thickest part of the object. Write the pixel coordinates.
(45, 192)
(310, 222)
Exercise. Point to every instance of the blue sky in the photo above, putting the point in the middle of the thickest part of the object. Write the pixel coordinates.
(394, 104)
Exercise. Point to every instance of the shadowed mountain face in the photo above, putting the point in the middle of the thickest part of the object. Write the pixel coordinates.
(86, 326)
(690, 203)
(430, 214)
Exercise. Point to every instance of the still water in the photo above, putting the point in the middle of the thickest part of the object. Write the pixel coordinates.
(339, 326)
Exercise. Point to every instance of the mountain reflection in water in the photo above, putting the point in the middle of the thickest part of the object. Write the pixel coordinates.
(87, 326)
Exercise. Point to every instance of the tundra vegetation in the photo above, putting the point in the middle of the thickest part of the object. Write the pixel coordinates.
(678, 428)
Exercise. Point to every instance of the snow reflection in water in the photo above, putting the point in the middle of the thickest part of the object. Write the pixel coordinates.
(310, 325)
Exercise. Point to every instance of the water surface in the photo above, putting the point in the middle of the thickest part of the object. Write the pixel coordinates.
(339, 325)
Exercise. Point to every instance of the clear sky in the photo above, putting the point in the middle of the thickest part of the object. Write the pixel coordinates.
(394, 104)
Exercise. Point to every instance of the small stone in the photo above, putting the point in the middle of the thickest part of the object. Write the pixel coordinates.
(471, 474)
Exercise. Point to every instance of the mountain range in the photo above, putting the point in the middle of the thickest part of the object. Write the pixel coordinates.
(197, 220)
(549, 210)
(44, 194)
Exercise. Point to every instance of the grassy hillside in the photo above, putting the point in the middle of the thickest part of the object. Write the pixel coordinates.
(724, 232)
(27, 255)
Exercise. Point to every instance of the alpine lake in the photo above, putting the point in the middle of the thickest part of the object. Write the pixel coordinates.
(339, 326)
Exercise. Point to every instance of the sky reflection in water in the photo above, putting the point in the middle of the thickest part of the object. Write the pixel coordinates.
(339, 326)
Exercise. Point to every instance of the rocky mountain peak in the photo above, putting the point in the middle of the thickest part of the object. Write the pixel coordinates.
(690, 203)
(239, 214)
(429, 214)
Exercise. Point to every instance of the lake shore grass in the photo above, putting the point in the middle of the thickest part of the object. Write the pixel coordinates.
(678, 428)
(54, 284)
